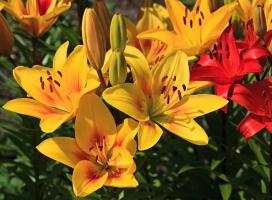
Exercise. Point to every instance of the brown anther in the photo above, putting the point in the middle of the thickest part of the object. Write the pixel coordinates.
(51, 88)
(174, 78)
(41, 79)
(163, 89)
(191, 23)
(48, 72)
(211, 55)
(42, 85)
(184, 21)
(174, 88)
(179, 95)
(214, 47)
(220, 45)
(186, 12)
(197, 9)
(59, 73)
(50, 78)
(184, 87)
(199, 22)
(164, 78)
(100, 147)
(91, 148)
(57, 83)
(168, 99)
(202, 15)
(220, 57)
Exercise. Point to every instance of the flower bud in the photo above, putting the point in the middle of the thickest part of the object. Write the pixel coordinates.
(118, 33)
(118, 68)
(105, 19)
(259, 20)
(6, 39)
(93, 38)
(214, 5)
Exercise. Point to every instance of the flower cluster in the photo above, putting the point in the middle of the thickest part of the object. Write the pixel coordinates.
(128, 84)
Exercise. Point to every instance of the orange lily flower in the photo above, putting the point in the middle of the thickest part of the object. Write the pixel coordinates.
(37, 16)
(55, 91)
(194, 31)
(100, 153)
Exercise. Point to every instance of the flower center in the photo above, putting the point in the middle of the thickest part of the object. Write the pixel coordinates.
(50, 82)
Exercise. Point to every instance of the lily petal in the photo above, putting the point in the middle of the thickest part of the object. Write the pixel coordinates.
(149, 134)
(184, 127)
(60, 56)
(198, 105)
(62, 149)
(125, 136)
(87, 178)
(120, 158)
(51, 118)
(195, 86)
(94, 123)
(129, 99)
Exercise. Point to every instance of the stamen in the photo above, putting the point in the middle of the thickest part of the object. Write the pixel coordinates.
(51, 88)
(59, 73)
(174, 88)
(191, 23)
(168, 99)
(41, 79)
(48, 73)
(184, 21)
(42, 85)
(220, 45)
(211, 55)
(220, 57)
(179, 95)
(163, 89)
(174, 78)
(57, 83)
(197, 9)
(184, 87)
(50, 78)
(186, 12)
(202, 15)
(164, 78)
(199, 22)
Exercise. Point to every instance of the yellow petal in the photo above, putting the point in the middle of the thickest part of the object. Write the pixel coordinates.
(132, 33)
(129, 99)
(168, 37)
(94, 123)
(75, 70)
(87, 178)
(125, 136)
(60, 56)
(198, 105)
(148, 135)
(120, 158)
(62, 149)
(123, 178)
(139, 68)
(184, 127)
(195, 86)
(216, 23)
(51, 118)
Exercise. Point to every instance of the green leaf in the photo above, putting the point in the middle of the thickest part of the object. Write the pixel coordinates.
(225, 190)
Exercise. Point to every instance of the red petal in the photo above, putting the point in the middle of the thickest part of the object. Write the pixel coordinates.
(250, 66)
(43, 6)
(222, 90)
(254, 53)
(251, 125)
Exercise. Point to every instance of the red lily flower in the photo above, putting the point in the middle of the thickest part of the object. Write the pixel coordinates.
(256, 98)
(252, 40)
(226, 65)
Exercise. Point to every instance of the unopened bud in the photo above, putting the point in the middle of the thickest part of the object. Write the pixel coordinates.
(6, 39)
(118, 68)
(93, 38)
(259, 20)
(118, 33)
(214, 5)
(105, 19)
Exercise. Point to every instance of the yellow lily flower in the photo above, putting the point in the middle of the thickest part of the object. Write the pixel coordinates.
(55, 92)
(100, 153)
(37, 16)
(155, 16)
(6, 39)
(163, 99)
(194, 31)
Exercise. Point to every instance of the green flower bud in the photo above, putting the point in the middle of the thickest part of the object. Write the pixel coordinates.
(118, 68)
(118, 33)
(259, 20)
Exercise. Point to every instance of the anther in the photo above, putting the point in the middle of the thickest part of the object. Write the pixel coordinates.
(220, 45)
(174, 78)
(48, 73)
(184, 21)
(163, 89)
(59, 73)
(191, 23)
(179, 95)
(199, 22)
(211, 55)
(41, 79)
(184, 87)
(51, 88)
(42, 85)
(197, 9)
(202, 15)
(174, 88)
(57, 83)
(50, 78)
(164, 78)
(168, 99)
(220, 57)
(186, 12)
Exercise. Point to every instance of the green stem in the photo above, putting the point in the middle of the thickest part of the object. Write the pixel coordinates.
(35, 136)
(101, 78)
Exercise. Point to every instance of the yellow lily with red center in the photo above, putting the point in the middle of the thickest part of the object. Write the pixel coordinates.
(55, 92)
(194, 31)
(38, 15)
(153, 17)
(163, 99)
(100, 154)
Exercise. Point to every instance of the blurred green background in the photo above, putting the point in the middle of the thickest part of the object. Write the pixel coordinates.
(228, 168)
